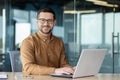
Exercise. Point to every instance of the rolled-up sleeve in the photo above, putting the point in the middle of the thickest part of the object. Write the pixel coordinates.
(63, 59)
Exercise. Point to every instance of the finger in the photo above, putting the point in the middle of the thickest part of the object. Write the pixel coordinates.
(68, 71)
(74, 67)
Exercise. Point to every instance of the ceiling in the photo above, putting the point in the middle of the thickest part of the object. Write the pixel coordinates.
(22, 3)
(59, 2)
(38, 3)
(80, 4)
(87, 5)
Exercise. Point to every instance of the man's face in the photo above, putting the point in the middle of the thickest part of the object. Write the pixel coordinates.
(45, 22)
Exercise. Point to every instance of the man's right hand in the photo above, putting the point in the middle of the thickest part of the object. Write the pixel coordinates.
(64, 70)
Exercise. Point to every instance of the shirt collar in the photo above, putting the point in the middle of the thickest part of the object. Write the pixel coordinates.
(44, 38)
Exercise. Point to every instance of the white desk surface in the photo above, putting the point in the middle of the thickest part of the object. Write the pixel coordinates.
(19, 76)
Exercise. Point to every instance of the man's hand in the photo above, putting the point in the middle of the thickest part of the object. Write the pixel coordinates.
(64, 70)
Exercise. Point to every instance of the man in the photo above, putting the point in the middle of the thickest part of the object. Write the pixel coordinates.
(42, 52)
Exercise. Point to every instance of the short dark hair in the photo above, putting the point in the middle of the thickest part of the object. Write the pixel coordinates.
(46, 9)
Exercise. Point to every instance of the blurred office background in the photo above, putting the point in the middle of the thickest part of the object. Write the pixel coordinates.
(81, 24)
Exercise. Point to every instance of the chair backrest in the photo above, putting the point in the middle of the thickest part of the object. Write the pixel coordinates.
(15, 60)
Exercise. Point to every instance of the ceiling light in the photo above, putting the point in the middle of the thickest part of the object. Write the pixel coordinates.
(82, 11)
(102, 3)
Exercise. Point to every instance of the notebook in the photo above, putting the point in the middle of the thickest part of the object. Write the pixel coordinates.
(3, 76)
(89, 63)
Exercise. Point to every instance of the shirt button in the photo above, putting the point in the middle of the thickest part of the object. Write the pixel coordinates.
(44, 40)
(48, 54)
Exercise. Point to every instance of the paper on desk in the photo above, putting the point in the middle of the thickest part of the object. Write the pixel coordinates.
(3, 76)
(21, 77)
(18, 76)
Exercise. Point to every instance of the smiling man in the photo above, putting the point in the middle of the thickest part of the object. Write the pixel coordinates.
(42, 52)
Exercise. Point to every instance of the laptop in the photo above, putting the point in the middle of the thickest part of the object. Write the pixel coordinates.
(89, 63)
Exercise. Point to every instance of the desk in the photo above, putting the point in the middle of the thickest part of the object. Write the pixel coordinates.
(12, 76)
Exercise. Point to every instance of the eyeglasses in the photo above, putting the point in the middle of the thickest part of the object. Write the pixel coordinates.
(49, 21)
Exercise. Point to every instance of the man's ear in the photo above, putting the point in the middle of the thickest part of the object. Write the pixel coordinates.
(36, 21)
(54, 22)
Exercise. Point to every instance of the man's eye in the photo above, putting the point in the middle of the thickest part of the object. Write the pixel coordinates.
(50, 20)
(43, 20)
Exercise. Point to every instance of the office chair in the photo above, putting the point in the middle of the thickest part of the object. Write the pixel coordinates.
(2, 61)
(15, 60)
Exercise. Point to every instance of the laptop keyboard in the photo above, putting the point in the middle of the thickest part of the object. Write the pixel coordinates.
(62, 75)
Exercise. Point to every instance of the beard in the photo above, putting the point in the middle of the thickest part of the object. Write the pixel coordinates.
(46, 30)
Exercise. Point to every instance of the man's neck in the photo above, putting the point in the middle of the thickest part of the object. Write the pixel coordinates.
(45, 35)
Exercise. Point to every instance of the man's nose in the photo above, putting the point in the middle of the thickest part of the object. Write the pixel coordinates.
(46, 23)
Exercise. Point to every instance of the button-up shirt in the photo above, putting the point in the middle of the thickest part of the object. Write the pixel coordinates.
(40, 56)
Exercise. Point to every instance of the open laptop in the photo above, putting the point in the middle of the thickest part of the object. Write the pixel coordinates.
(89, 63)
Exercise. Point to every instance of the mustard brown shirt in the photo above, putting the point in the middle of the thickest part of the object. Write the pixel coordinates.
(40, 56)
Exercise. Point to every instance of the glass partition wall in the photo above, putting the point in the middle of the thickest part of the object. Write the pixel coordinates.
(91, 25)
(2, 33)
(82, 24)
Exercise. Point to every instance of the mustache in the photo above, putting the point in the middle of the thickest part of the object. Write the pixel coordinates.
(46, 26)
